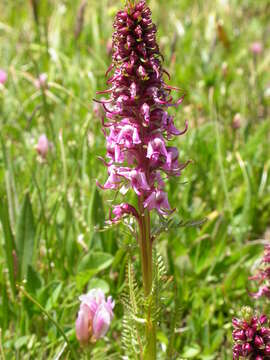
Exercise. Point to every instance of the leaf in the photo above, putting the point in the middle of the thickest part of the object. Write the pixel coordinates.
(10, 247)
(92, 264)
(216, 340)
(96, 210)
(96, 283)
(34, 281)
(22, 342)
(191, 351)
(4, 309)
(97, 261)
(52, 301)
(25, 236)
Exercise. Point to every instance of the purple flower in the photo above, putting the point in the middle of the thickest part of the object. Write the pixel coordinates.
(43, 146)
(263, 276)
(158, 200)
(256, 48)
(94, 317)
(237, 122)
(3, 77)
(138, 124)
(123, 209)
(41, 81)
(252, 340)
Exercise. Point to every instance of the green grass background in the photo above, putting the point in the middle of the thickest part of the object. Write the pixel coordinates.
(49, 210)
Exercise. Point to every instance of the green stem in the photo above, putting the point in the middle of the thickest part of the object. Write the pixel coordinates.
(147, 272)
(45, 312)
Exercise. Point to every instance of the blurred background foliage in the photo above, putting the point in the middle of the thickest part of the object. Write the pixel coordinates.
(50, 210)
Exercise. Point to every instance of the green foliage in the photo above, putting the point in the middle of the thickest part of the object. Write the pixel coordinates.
(133, 319)
(9, 244)
(136, 305)
(52, 213)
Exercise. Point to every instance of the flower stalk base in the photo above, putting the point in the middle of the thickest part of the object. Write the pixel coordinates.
(147, 271)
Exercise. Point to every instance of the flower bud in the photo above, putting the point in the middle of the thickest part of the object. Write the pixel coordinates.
(267, 349)
(247, 313)
(239, 335)
(258, 341)
(94, 317)
(41, 81)
(256, 48)
(259, 357)
(247, 349)
(249, 334)
(43, 146)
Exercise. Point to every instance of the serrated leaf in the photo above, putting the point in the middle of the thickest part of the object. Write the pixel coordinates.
(25, 236)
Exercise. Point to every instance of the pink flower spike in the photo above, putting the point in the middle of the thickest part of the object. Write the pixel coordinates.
(43, 146)
(256, 48)
(136, 122)
(41, 81)
(262, 276)
(3, 77)
(94, 317)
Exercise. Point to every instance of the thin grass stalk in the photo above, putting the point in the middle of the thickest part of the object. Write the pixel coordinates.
(46, 313)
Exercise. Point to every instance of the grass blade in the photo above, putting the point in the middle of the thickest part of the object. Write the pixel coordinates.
(25, 236)
(9, 242)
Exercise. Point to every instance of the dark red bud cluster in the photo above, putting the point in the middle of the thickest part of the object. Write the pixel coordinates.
(252, 338)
